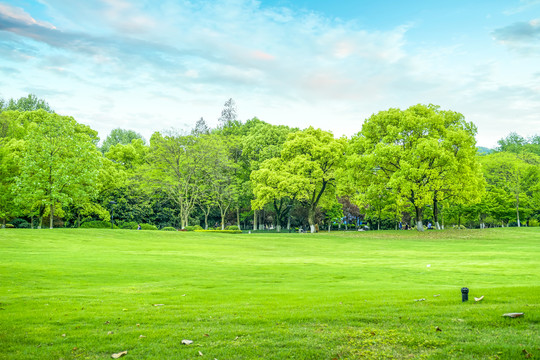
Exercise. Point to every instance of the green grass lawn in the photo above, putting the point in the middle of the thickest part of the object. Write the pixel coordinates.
(86, 294)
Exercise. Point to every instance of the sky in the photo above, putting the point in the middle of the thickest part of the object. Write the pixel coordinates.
(150, 66)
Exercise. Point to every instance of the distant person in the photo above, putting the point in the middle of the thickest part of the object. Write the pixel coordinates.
(400, 226)
(429, 225)
(139, 227)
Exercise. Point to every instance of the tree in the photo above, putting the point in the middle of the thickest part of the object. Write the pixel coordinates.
(228, 114)
(201, 128)
(60, 164)
(120, 136)
(419, 154)
(275, 184)
(514, 175)
(312, 157)
(28, 103)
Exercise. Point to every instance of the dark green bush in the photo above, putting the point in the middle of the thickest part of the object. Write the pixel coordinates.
(232, 227)
(129, 225)
(190, 228)
(96, 224)
(168, 228)
(20, 223)
(148, 227)
(198, 227)
(10, 226)
(222, 231)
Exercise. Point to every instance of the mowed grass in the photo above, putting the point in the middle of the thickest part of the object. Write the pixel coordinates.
(86, 294)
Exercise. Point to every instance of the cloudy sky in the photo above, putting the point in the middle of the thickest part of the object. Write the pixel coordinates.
(151, 65)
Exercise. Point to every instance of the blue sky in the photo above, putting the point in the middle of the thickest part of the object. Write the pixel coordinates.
(154, 65)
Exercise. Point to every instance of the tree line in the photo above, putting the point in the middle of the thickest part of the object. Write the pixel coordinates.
(404, 168)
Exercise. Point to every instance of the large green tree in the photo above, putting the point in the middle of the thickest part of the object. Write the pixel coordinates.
(421, 154)
(60, 165)
(312, 158)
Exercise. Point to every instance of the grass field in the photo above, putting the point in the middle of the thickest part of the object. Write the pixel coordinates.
(86, 294)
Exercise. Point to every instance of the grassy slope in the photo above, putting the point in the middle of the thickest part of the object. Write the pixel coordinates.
(274, 296)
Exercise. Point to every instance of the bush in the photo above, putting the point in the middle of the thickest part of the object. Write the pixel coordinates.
(168, 228)
(198, 227)
(222, 231)
(232, 227)
(532, 222)
(20, 223)
(96, 224)
(189, 228)
(10, 226)
(148, 227)
(130, 225)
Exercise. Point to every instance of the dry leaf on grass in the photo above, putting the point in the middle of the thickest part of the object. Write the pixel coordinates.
(514, 315)
(200, 353)
(479, 299)
(142, 336)
(420, 300)
(119, 355)
(187, 342)
(159, 304)
(438, 329)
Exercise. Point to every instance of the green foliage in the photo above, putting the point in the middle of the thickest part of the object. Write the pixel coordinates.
(129, 225)
(96, 224)
(230, 227)
(221, 231)
(148, 227)
(20, 223)
(60, 165)
(169, 228)
(29, 103)
(120, 137)
(422, 155)
(10, 226)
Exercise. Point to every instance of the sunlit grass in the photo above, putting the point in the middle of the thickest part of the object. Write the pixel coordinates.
(91, 293)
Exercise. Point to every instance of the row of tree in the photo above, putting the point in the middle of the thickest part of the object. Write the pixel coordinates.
(403, 167)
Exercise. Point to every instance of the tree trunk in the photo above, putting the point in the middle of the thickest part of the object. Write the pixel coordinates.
(255, 218)
(205, 221)
(419, 214)
(289, 220)
(32, 222)
(51, 217)
(238, 218)
(517, 210)
(78, 219)
(436, 213)
(311, 219)
(329, 225)
(3, 223)
(278, 228)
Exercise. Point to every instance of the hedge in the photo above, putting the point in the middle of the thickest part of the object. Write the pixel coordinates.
(221, 231)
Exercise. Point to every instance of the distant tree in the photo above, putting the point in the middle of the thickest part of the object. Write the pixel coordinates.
(28, 103)
(228, 114)
(120, 136)
(201, 128)
(517, 144)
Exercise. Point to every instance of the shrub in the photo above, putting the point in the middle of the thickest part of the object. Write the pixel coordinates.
(148, 227)
(222, 231)
(168, 228)
(96, 224)
(232, 227)
(20, 223)
(130, 225)
(198, 227)
(532, 222)
(10, 226)
(189, 228)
